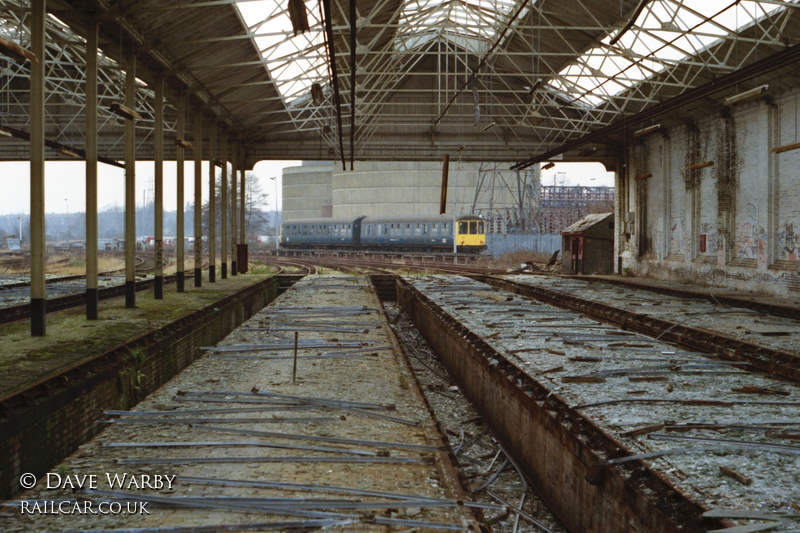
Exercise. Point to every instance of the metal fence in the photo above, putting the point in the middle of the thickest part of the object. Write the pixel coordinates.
(498, 243)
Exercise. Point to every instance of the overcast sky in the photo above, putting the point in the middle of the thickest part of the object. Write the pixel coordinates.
(65, 183)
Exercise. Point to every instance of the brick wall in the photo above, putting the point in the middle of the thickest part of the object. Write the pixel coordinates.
(733, 224)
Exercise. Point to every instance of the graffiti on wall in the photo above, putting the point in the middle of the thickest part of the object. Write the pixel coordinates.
(788, 243)
(751, 243)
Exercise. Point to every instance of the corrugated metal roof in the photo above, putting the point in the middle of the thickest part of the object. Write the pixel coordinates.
(587, 222)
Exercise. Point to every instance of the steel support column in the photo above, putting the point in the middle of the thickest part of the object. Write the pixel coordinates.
(198, 200)
(234, 211)
(38, 324)
(130, 185)
(180, 128)
(223, 219)
(91, 171)
(242, 250)
(158, 105)
(212, 201)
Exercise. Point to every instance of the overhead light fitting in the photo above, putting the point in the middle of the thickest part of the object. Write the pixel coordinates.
(747, 95)
(647, 131)
(461, 147)
(548, 166)
(317, 96)
(489, 126)
(125, 111)
(784, 148)
(67, 151)
(15, 51)
(4, 132)
(183, 143)
(704, 164)
(587, 152)
(298, 16)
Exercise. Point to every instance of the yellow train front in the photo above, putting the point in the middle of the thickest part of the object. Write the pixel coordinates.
(471, 234)
(427, 233)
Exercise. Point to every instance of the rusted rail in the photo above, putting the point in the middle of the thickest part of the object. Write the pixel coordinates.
(762, 307)
(773, 360)
(19, 312)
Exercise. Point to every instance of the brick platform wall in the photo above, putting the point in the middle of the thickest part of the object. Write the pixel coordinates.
(42, 430)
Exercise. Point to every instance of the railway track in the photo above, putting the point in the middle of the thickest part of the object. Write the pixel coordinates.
(769, 339)
(638, 431)
(641, 432)
(23, 311)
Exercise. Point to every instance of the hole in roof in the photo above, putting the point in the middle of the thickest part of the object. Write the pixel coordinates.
(295, 62)
(665, 33)
(469, 24)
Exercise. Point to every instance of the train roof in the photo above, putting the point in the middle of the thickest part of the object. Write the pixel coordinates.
(415, 219)
(318, 221)
(383, 220)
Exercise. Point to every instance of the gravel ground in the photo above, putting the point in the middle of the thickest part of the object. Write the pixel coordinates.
(478, 452)
(636, 383)
(245, 373)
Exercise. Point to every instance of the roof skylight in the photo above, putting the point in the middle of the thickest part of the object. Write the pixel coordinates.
(665, 33)
(470, 24)
(295, 62)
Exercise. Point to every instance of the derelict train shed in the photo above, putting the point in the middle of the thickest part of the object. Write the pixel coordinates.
(694, 104)
(694, 107)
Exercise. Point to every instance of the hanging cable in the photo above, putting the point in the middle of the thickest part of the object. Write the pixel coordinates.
(326, 4)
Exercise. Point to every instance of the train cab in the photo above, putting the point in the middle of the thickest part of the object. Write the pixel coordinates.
(470, 234)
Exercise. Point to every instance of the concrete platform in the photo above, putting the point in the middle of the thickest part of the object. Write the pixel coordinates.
(616, 430)
(357, 418)
(71, 338)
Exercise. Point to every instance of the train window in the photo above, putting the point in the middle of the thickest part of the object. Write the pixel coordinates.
(408, 226)
(446, 228)
(424, 229)
(463, 228)
(473, 228)
(305, 230)
(481, 228)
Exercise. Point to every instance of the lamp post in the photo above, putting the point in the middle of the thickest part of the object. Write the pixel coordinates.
(67, 201)
(275, 181)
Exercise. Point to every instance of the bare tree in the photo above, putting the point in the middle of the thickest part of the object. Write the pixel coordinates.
(256, 220)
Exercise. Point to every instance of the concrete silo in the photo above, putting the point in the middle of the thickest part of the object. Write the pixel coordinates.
(382, 188)
(307, 190)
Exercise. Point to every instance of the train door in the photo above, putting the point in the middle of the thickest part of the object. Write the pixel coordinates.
(357, 231)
